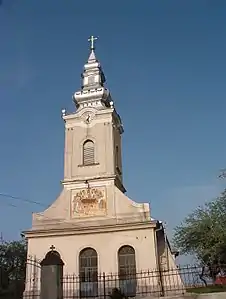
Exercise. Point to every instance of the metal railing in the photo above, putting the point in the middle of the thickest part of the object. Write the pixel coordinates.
(153, 283)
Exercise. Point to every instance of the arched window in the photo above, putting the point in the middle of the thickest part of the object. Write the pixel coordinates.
(88, 152)
(127, 270)
(88, 272)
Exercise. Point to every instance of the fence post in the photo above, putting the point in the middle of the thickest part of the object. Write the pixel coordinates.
(51, 276)
(104, 285)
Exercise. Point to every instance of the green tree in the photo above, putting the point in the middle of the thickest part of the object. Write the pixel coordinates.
(203, 233)
(13, 257)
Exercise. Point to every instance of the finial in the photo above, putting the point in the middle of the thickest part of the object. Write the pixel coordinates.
(92, 40)
(63, 112)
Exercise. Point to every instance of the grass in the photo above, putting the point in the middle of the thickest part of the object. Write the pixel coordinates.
(209, 289)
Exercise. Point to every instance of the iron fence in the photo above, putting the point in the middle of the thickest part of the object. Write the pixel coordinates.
(154, 283)
(145, 283)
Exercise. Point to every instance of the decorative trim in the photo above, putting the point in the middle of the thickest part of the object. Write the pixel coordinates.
(118, 170)
(85, 165)
(119, 184)
(93, 178)
(76, 230)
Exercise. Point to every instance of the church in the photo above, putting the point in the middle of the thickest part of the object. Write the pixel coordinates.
(93, 226)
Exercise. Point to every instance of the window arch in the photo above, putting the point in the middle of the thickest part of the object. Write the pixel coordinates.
(88, 152)
(127, 270)
(88, 272)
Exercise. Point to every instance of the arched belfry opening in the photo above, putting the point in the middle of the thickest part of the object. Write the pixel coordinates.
(88, 272)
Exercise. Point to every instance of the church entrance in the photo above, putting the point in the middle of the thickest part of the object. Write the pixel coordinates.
(127, 270)
(88, 272)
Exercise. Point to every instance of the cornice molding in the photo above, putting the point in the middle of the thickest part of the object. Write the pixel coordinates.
(76, 230)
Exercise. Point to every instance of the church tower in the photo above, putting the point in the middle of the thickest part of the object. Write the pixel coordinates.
(93, 133)
(93, 187)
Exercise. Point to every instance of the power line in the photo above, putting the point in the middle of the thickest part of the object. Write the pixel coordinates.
(40, 204)
(33, 202)
(22, 199)
(30, 201)
(9, 204)
(16, 206)
(27, 201)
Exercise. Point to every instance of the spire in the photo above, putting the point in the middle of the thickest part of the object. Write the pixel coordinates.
(92, 74)
(93, 80)
(92, 57)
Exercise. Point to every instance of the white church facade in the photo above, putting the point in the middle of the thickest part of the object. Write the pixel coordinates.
(93, 225)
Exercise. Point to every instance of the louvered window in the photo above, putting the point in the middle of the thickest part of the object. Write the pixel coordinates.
(88, 153)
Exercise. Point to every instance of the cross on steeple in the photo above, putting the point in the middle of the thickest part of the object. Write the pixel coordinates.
(52, 247)
(92, 40)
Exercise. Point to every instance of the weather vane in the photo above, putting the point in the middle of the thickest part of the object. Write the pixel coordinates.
(92, 40)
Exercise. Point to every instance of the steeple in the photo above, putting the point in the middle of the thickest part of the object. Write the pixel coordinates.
(93, 133)
(92, 93)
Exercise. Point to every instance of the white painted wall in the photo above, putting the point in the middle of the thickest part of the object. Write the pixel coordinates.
(106, 244)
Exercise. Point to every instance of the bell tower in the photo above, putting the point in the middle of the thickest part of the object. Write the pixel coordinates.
(93, 132)
(93, 193)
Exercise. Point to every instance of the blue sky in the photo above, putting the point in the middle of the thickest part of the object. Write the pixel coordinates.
(165, 66)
